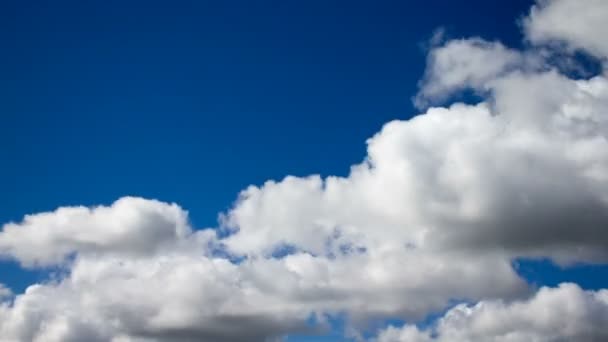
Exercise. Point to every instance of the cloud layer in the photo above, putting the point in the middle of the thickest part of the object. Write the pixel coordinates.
(566, 313)
(436, 212)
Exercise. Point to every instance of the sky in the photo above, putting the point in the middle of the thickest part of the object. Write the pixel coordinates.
(385, 171)
(192, 101)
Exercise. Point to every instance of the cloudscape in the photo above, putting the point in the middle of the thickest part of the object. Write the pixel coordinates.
(423, 239)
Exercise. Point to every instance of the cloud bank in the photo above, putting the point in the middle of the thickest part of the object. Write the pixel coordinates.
(566, 313)
(435, 213)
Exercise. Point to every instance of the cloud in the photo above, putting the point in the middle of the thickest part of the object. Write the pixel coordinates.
(132, 226)
(164, 298)
(5, 291)
(577, 24)
(464, 63)
(181, 294)
(435, 213)
(463, 178)
(565, 313)
(475, 64)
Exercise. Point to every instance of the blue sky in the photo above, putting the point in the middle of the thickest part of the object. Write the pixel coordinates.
(192, 101)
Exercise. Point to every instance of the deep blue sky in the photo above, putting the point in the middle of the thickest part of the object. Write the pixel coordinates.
(191, 101)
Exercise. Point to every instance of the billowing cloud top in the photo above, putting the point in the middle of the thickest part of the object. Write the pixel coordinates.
(131, 226)
(437, 212)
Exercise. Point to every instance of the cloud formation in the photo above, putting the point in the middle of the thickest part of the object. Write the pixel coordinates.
(436, 212)
(130, 226)
(577, 24)
(465, 63)
(177, 293)
(565, 313)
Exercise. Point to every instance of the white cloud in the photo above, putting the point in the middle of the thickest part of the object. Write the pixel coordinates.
(129, 226)
(465, 63)
(565, 313)
(458, 178)
(178, 293)
(580, 24)
(162, 298)
(437, 211)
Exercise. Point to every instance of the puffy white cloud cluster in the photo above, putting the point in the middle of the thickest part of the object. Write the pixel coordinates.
(131, 226)
(566, 313)
(436, 212)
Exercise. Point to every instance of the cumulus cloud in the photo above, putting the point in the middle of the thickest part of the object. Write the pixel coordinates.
(577, 24)
(565, 313)
(129, 226)
(465, 63)
(164, 298)
(467, 177)
(179, 294)
(436, 212)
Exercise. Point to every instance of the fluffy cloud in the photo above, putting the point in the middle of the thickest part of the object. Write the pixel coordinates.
(165, 298)
(566, 313)
(578, 24)
(129, 226)
(436, 212)
(190, 294)
(467, 177)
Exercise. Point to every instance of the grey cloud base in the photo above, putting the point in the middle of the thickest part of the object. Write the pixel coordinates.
(439, 208)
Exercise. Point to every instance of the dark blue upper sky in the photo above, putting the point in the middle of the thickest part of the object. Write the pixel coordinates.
(190, 101)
